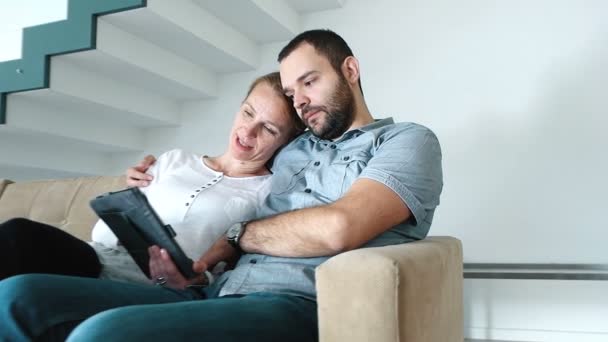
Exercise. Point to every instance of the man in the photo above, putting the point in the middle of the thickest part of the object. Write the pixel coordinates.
(349, 182)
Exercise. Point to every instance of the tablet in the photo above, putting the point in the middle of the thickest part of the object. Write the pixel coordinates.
(137, 226)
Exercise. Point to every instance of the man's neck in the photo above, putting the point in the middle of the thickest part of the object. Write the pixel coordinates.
(362, 116)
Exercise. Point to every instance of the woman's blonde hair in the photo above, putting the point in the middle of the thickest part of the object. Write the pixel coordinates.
(273, 79)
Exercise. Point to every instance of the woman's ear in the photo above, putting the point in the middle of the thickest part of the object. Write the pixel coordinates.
(350, 70)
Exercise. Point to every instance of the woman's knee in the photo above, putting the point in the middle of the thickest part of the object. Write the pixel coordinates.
(15, 225)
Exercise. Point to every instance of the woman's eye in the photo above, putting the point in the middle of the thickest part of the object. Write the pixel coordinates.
(249, 114)
(270, 130)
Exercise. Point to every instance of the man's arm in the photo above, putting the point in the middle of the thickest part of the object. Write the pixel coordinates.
(368, 209)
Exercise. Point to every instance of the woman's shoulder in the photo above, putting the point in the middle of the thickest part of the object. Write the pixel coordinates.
(179, 155)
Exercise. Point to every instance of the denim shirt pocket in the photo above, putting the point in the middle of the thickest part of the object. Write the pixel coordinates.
(289, 175)
(347, 168)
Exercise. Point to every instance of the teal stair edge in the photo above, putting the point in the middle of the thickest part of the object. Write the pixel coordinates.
(76, 33)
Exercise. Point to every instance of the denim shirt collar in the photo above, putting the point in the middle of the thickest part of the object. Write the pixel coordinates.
(355, 132)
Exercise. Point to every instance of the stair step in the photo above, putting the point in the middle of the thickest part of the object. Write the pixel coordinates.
(304, 6)
(130, 103)
(144, 65)
(45, 113)
(275, 21)
(191, 32)
(30, 151)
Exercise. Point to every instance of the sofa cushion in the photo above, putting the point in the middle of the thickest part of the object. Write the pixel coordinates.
(61, 203)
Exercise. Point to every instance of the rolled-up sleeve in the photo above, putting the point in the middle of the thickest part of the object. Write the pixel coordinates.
(408, 161)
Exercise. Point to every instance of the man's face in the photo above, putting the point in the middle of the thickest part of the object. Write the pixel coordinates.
(322, 97)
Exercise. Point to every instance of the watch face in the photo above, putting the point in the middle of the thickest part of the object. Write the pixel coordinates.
(233, 231)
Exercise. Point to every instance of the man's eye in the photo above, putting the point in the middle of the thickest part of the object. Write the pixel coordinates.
(308, 83)
(249, 114)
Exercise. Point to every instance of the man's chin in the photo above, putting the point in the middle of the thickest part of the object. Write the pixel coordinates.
(321, 132)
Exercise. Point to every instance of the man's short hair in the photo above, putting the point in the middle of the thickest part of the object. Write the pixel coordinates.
(327, 43)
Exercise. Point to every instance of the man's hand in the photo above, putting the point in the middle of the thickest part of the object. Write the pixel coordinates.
(163, 268)
(137, 176)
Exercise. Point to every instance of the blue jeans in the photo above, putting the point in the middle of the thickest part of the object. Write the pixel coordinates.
(53, 307)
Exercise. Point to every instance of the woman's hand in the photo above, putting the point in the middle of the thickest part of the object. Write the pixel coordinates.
(137, 176)
(163, 271)
(221, 250)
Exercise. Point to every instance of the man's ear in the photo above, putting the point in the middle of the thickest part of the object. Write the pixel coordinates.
(350, 70)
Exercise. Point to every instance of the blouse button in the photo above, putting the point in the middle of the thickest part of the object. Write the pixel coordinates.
(187, 204)
(191, 196)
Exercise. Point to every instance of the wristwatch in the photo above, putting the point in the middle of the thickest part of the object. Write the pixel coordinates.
(234, 234)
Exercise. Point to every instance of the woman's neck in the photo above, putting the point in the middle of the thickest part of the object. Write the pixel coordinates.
(235, 168)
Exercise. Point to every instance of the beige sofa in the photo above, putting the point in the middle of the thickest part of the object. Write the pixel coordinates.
(407, 293)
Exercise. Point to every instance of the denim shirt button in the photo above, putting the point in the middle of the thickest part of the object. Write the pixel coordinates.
(317, 163)
(253, 261)
(333, 146)
(346, 158)
(307, 191)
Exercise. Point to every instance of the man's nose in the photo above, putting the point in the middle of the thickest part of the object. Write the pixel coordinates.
(300, 101)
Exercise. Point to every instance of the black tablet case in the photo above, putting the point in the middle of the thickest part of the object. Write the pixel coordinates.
(137, 226)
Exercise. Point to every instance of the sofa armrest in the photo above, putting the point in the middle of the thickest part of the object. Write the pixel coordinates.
(408, 292)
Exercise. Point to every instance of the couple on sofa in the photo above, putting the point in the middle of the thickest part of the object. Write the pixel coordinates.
(349, 182)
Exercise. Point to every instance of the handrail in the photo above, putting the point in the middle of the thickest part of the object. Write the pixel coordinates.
(78, 32)
(536, 271)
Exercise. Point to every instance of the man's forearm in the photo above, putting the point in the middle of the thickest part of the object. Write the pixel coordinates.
(366, 211)
(307, 232)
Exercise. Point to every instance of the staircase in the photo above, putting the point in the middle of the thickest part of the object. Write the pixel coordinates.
(88, 88)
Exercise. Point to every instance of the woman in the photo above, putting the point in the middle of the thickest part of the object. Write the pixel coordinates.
(199, 196)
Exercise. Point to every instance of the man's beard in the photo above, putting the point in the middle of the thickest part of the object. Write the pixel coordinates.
(339, 112)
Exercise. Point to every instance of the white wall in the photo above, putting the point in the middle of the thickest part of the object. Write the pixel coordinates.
(516, 91)
(16, 15)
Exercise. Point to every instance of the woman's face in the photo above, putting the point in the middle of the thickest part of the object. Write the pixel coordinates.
(261, 126)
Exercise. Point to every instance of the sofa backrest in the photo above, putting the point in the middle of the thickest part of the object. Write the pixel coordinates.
(63, 203)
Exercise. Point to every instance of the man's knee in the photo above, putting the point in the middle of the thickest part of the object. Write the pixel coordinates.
(18, 302)
(20, 290)
(108, 325)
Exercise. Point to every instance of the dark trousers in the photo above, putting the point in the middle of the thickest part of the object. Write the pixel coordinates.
(28, 246)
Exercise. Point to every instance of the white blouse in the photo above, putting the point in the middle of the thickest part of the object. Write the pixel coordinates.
(199, 203)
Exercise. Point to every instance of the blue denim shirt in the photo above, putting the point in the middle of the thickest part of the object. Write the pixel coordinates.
(310, 171)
